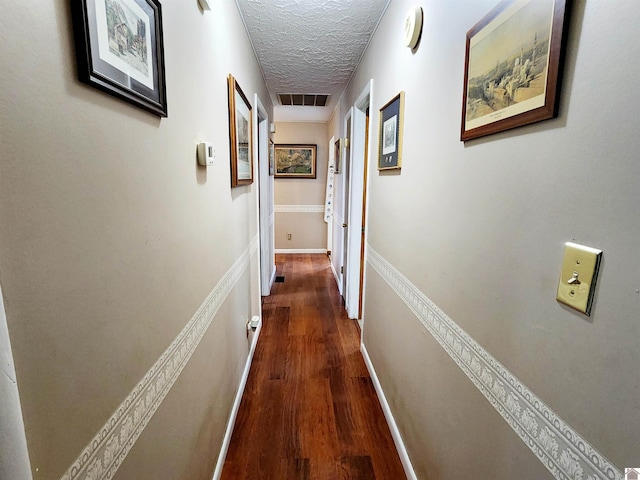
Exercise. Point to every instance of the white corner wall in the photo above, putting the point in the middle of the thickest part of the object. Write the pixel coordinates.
(126, 268)
(465, 246)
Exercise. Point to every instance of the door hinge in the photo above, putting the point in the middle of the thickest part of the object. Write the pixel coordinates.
(342, 269)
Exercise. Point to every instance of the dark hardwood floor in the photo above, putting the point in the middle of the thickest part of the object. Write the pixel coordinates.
(309, 409)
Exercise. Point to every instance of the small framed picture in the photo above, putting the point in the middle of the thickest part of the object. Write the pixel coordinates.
(271, 157)
(295, 161)
(119, 49)
(512, 66)
(240, 135)
(337, 154)
(390, 136)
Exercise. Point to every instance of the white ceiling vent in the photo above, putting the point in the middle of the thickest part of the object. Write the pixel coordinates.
(303, 99)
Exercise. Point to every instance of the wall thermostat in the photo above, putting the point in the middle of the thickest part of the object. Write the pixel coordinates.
(413, 27)
(206, 154)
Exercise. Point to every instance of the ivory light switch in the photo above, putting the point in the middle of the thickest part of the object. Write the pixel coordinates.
(578, 276)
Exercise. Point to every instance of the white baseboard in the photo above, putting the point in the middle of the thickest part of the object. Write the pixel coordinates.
(395, 433)
(273, 278)
(236, 406)
(301, 250)
(336, 276)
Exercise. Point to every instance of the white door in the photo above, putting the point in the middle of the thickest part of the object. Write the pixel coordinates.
(265, 201)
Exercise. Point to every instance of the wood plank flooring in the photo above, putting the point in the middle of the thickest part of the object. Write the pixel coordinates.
(309, 409)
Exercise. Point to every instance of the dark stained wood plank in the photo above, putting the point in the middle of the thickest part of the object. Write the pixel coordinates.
(309, 409)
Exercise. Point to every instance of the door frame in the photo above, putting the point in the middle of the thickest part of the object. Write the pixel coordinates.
(346, 285)
(14, 459)
(357, 206)
(265, 198)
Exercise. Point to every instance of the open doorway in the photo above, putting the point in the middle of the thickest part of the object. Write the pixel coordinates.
(355, 195)
(265, 199)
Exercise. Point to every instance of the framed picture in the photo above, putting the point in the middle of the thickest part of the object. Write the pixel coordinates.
(337, 154)
(295, 161)
(513, 66)
(240, 135)
(119, 50)
(390, 136)
(271, 157)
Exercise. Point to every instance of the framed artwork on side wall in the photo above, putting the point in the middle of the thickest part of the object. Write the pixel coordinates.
(390, 134)
(271, 157)
(513, 66)
(239, 135)
(119, 49)
(337, 154)
(295, 161)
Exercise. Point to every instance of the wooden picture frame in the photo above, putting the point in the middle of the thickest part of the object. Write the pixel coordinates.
(272, 155)
(337, 154)
(390, 134)
(295, 161)
(513, 66)
(119, 49)
(240, 135)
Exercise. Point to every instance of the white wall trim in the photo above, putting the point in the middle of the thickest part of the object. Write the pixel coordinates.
(14, 453)
(335, 275)
(395, 433)
(273, 277)
(561, 449)
(299, 209)
(301, 250)
(236, 406)
(104, 454)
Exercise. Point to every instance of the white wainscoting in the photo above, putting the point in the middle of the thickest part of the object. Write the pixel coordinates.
(104, 454)
(299, 208)
(301, 250)
(561, 449)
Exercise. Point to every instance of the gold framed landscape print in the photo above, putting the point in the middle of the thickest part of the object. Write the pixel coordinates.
(295, 161)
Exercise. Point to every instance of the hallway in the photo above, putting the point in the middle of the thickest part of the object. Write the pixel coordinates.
(309, 409)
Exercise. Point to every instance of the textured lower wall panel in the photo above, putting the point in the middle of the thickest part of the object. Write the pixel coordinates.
(299, 208)
(560, 449)
(104, 454)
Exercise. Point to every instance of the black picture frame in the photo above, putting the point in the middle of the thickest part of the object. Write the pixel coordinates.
(119, 50)
(390, 134)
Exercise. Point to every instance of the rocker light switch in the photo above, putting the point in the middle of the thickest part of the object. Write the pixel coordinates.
(578, 277)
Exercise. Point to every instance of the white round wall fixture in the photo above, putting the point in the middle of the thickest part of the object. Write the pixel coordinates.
(413, 27)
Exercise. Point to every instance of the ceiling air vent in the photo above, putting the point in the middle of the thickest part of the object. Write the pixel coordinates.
(303, 99)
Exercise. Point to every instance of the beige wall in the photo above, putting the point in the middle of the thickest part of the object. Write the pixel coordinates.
(308, 229)
(479, 228)
(112, 237)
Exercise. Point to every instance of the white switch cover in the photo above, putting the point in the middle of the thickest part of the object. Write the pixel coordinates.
(578, 277)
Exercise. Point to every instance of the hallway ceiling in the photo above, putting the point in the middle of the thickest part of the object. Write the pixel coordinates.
(309, 47)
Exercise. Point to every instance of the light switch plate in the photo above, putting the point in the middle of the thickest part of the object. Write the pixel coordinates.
(578, 277)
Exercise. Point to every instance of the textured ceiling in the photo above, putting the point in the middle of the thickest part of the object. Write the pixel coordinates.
(309, 46)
